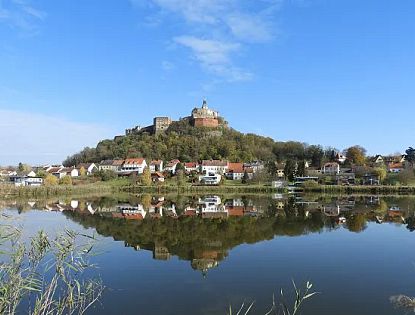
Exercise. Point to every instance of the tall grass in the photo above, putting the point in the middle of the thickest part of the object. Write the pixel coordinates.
(46, 276)
(283, 306)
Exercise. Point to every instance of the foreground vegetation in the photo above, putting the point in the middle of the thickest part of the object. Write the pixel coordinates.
(46, 276)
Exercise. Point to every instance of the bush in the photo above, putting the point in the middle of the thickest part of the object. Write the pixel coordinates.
(51, 180)
(66, 180)
(106, 175)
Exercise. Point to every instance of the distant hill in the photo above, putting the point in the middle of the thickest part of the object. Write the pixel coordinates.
(186, 142)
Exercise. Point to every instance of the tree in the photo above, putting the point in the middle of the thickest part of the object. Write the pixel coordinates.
(410, 156)
(301, 168)
(272, 169)
(180, 178)
(356, 155)
(406, 177)
(146, 177)
(380, 173)
(50, 180)
(245, 178)
(290, 170)
(82, 171)
(66, 180)
(106, 175)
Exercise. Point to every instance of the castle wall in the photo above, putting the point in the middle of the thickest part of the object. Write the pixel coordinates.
(206, 122)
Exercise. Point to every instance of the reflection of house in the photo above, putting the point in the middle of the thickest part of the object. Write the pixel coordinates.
(211, 207)
(331, 210)
(161, 253)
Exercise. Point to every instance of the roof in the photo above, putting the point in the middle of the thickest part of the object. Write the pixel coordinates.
(67, 169)
(117, 162)
(173, 163)
(84, 165)
(134, 161)
(55, 170)
(107, 162)
(190, 164)
(331, 164)
(158, 174)
(156, 162)
(395, 165)
(235, 167)
(214, 163)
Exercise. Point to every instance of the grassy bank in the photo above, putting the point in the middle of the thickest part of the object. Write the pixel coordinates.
(96, 188)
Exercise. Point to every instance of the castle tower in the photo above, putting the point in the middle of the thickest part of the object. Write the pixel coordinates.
(204, 106)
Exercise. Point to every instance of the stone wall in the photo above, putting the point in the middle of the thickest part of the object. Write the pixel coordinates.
(206, 122)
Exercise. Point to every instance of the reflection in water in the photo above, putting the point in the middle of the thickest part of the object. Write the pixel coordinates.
(202, 229)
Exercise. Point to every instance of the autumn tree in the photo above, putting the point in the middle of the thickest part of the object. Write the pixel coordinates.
(380, 172)
(356, 155)
(66, 180)
(50, 180)
(146, 177)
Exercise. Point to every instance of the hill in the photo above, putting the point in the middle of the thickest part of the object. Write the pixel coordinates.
(185, 142)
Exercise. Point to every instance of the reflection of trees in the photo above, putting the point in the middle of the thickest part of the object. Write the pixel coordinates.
(356, 222)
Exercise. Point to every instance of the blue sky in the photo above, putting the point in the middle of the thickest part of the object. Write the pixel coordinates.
(336, 73)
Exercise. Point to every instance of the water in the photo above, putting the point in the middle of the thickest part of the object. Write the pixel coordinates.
(200, 254)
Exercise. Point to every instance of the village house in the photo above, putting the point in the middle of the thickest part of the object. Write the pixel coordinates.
(110, 165)
(341, 158)
(214, 167)
(28, 181)
(191, 167)
(134, 165)
(378, 160)
(157, 177)
(331, 168)
(235, 171)
(171, 166)
(89, 168)
(70, 171)
(156, 166)
(395, 167)
(56, 171)
(255, 165)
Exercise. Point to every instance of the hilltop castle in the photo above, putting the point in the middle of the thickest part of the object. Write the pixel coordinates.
(200, 117)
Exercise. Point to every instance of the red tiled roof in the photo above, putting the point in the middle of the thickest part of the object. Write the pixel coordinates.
(173, 163)
(214, 163)
(134, 161)
(54, 170)
(118, 162)
(235, 167)
(190, 165)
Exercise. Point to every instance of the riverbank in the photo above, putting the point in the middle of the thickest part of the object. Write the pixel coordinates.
(193, 189)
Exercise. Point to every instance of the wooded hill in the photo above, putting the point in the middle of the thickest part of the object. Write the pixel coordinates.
(187, 143)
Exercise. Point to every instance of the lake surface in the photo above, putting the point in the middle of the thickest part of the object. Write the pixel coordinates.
(200, 254)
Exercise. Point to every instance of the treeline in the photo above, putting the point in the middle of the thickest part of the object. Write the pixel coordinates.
(186, 143)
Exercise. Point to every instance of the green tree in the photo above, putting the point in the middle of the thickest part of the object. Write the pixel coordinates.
(290, 170)
(245, 178)
(146, 177)
(381, 173)
(50, 180)
(410, 156)
(272, 169)
(301, 170)
(180, 178)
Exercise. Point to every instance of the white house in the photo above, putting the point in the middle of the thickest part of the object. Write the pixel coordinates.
(235, 171)
(70, 171)
(210, 179)
(156, 166)
(171, 166)
(89, 168)
(331, 168)
(214, 167)
(134, 165)
(28, 181)
(191, 167)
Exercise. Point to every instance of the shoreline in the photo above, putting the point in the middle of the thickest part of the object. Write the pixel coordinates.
(105, 188)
